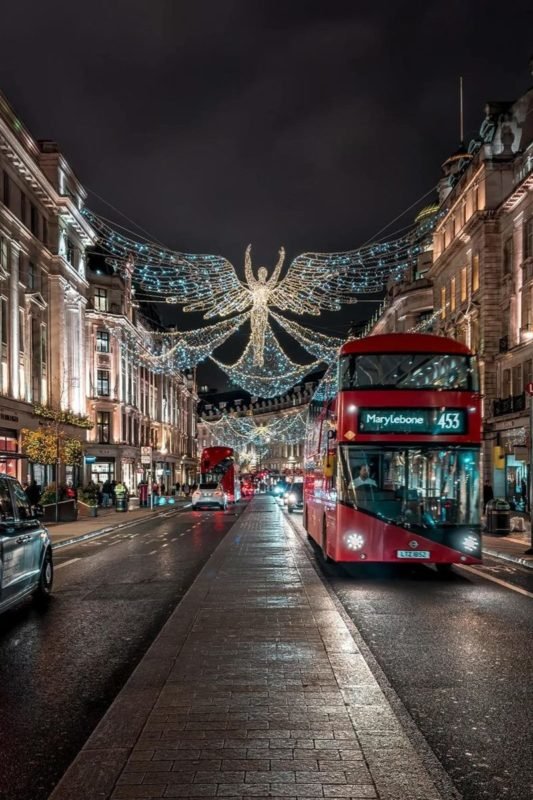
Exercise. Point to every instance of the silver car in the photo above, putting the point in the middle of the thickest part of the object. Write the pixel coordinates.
(209, 494)
(26, 566)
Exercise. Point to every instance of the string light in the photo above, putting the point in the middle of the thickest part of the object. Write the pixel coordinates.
(314, 282)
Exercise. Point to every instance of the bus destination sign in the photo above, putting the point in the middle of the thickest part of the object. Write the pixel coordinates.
(429, 421)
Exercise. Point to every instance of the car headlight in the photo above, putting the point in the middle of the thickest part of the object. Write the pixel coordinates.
(292, 497)
(354, 541)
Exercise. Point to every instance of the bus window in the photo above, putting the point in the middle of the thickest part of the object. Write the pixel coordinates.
(408, 371)
(414, 486)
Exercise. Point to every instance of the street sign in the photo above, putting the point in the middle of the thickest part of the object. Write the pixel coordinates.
(90, 459)
(146, 455)
(529, 388)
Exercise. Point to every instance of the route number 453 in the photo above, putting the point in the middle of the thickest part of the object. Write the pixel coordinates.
(449, 421)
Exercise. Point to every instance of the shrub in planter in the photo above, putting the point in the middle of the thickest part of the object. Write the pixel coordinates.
(48, 496)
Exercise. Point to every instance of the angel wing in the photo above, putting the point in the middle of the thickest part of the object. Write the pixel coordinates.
(318, 282)
(199, 282)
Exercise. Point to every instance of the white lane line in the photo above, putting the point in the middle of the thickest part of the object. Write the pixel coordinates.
(152, 552)
(66, 563)
(164, 545)
(495, 580)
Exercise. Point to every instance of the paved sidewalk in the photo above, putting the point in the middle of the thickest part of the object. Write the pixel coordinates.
(254, 688)
(65, 533)
(509, 548)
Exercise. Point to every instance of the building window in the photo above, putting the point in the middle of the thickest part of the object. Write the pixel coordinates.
(102, 382)
(23, 208)
(476, 197)
(443, 302)
(34, 220)
(45, 232)
(475, 272)
(71, 251)
(517, 379)
(4, 321)
(103, 427)
(506, 383)
(7, 189)
(527, 311)
(453, 294)
(100, 299)
(102, 342)
(464, 284)
(32, 280)
(508, 256)
(527, 371)
(528, 239)
(3, 253)
(21, 330)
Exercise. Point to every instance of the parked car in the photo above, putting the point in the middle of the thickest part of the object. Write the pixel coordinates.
(295, 497)
(26, 565)
(209, 494)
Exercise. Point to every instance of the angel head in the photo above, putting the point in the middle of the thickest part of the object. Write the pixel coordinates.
(262, 274)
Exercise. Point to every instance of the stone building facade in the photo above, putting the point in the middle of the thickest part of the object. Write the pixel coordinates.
(482, 281)
(43, 287)
(58, 316)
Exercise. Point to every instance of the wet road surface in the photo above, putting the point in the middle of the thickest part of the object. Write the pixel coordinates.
(457, 652)
(61, 668)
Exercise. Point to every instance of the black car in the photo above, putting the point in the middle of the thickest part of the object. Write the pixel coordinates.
(295, 497)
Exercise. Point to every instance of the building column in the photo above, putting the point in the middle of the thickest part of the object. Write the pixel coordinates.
(14, 343)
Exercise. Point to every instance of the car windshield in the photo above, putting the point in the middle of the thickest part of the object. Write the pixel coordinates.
(408, 371)
(208, 485)
(419, 487)
(297, 489)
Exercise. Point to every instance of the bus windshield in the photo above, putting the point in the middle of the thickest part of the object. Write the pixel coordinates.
(408, 371)
(414, 486)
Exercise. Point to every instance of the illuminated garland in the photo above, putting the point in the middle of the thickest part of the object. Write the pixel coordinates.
(63, 417)
(313, 282)
(277, 373)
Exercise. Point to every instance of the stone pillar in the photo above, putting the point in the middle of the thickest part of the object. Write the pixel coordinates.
(14, 343)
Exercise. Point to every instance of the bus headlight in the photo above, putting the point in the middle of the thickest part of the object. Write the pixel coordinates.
(354, 541)
(470, 544)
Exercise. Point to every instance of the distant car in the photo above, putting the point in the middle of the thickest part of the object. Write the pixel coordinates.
(279, 490)
(209, 494)
(295, 497)
(26, 565)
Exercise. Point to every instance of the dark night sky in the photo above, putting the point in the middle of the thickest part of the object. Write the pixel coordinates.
(296, 122)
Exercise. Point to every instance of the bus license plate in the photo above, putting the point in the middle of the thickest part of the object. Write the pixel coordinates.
(413, 553)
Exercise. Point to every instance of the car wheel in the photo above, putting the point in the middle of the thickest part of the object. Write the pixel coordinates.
(46, 579)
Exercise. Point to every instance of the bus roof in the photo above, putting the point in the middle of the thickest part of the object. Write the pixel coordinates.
(404, 343)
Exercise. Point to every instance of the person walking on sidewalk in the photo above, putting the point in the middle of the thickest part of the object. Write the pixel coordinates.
(107, 494)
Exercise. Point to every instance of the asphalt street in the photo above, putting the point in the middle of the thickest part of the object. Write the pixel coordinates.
(61, 668)
(454, 655)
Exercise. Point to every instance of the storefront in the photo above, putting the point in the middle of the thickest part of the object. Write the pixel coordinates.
(514, 443)
(102, 470)
(9, 452)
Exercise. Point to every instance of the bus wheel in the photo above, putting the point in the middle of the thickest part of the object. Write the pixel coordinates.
(325, 556)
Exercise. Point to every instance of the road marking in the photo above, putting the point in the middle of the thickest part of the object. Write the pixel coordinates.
(495, 580)
(164, 545)
(66, 563)
(152, 552)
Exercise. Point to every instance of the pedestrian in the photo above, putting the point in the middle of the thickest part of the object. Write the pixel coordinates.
(162, 488)
(113, 495)
(178, 487)
(33, 493)
(107, 494)
(488, 494)
(186, 489)
(155, 489)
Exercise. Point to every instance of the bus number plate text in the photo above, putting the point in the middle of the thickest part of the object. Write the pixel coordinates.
(413, 553)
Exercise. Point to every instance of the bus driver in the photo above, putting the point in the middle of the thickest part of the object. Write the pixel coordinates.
(364, 478)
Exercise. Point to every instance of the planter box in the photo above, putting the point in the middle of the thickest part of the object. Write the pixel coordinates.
(67, 511)
(85, 510)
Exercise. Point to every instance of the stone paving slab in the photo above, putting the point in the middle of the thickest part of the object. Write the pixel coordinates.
(254, 688)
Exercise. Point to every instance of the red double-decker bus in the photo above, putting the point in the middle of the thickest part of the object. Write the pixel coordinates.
(217, 465)
(393, 453)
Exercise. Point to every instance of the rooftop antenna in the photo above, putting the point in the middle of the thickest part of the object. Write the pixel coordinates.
(461, 118)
